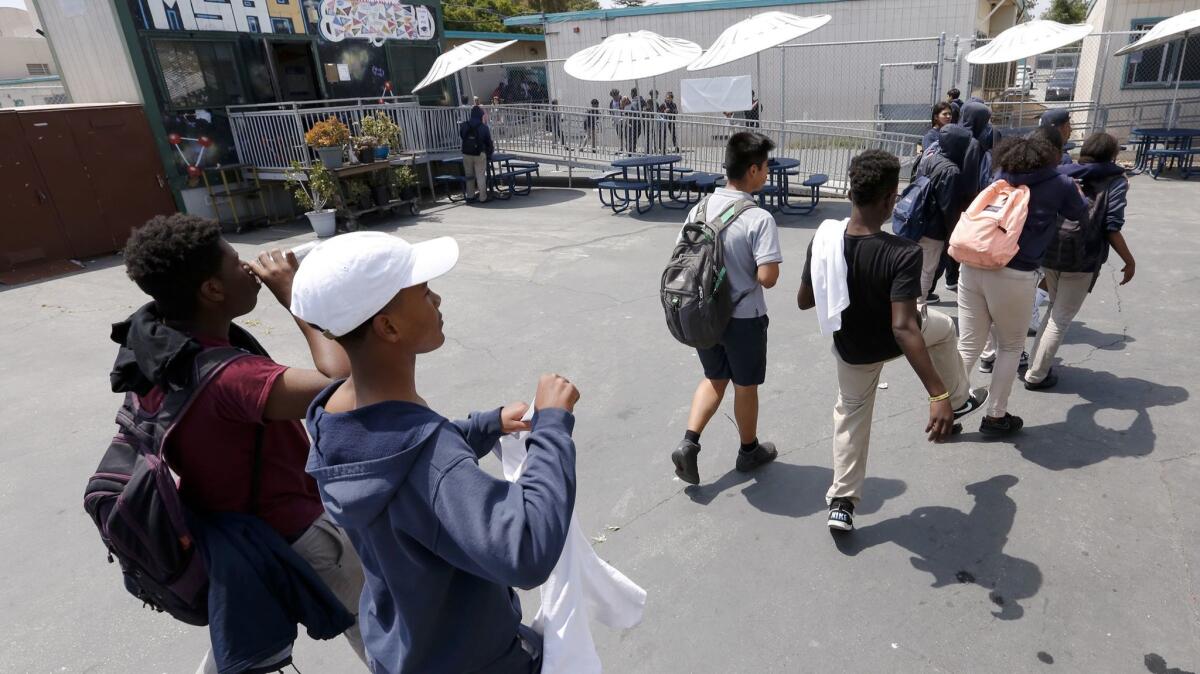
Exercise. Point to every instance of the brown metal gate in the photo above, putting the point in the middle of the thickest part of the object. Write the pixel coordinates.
(77, 180)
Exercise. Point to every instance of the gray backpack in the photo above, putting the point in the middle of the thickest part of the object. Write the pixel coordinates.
(695, 285)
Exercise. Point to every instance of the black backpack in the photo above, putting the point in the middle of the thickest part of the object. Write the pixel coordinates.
(1080, 246)
(134, 501)
(470, 140)
(695, 285)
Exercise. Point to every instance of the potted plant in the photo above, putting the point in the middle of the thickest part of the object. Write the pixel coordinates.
(404, 182)
(384, 130)
(364, 148)
(381, 188)
(313, 191)
(358, 193)
(328, 138)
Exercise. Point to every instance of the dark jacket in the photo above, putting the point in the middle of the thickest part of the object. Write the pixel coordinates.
(1051, 195)
(482, 132)
(930, 137)
(976, 118)
(258, 590)
(442, 542)
(944, 170)
(1092, 176)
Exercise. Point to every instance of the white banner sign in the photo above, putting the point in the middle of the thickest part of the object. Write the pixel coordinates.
(716, 94)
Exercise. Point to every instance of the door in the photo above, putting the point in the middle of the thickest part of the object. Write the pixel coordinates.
(30, 231)
(294, 70)
(117, 149)
(68, 182)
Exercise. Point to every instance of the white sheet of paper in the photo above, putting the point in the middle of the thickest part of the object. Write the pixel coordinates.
(343, 72)
(716, 94)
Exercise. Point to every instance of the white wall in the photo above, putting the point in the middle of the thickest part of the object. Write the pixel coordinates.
(90, 50)
(17, 52)
(28, 94)
(832, 82)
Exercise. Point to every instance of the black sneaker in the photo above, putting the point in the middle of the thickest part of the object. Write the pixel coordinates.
(952, 287)
(978, 397)
(1049, 382)
(1024, 364)
(684, 458)
(985, 366)
(932, 297)
(841, 515)
(762, 454)
(1001, 427)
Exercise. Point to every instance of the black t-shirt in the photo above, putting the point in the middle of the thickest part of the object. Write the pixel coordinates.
(880, 269)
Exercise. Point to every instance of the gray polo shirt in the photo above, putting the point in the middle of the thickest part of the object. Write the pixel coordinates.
(749, 241)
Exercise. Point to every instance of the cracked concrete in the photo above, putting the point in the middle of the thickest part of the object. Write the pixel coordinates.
(1071, 547)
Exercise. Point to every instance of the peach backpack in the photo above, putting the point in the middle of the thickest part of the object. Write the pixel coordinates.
(986, 235)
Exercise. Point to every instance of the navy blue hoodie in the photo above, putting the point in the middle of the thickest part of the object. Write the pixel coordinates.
(1051, 194)
(483, 134)
(1092, 175)
(441, 541)
(944, 170)
(976, 118)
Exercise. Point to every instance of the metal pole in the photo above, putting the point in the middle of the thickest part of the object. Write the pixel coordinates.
(1021, 99)
(1178, 79)
(957, 66)
(879, 108)
(1102, 52)
(937, 69)
(782, 85)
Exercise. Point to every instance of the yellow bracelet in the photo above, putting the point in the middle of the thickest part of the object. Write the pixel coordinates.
(938, 399)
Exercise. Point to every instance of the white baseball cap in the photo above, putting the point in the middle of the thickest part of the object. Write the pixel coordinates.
(348, 279)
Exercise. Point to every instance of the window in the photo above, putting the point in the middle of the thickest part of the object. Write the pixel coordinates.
(56, 99)
(38, 68)
(199, 74)
(174, 21)
(252, 24)
(1157, 68)
(248, 3)
(18, 102)
(282, 25)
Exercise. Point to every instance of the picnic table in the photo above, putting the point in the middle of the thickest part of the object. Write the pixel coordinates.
(647, 179)
(503, 171)
(776, 194)
(1176, 148)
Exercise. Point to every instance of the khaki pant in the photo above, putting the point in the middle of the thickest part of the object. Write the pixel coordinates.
(475, 169)
(1067, 291)
(1003, 298)
(328, 550)
(856, 403)
(931, 258)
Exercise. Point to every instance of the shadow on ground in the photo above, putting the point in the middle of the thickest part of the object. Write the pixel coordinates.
(961, 548)
(1082, 439)
(793, 491)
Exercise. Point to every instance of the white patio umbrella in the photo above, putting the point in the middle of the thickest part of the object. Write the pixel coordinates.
(460, 57)
(1180, 26)
(756, 34)
(631, 56)
(1028, 39)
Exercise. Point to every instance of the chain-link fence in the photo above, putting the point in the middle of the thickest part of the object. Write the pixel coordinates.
(1102, 91)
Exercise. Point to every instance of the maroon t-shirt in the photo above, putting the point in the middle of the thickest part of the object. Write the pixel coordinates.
(212, 449)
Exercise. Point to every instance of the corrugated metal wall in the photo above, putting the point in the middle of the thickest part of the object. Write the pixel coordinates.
(90, 49)
(820, 82)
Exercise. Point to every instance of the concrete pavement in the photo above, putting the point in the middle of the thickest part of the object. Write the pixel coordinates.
(1071, 548)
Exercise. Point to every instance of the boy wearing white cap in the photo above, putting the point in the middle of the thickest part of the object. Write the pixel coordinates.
(441, 541)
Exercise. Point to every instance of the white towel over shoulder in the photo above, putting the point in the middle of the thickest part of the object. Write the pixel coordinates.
(581, 586)
(828, 272)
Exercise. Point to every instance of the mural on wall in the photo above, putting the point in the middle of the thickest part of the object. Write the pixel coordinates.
(198, 143)
(239, 16)
(375, 21)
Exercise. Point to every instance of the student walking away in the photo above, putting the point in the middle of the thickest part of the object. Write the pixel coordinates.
(749, 242)
(1060, 121)
(1073, 261)
(670, 109)
(865, 284)
(590, 120)
(554, 124)
(1026, 202)
(944, 171)
(442, 541)
(637, 122)
(956, 104)
(755, 112)
(477, 150)
(238, 448)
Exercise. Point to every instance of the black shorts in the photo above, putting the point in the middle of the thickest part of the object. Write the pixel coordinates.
(741, 355)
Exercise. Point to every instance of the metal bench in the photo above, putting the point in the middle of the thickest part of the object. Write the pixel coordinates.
(453, 183)
(1183, 158)
(613, 184)
(508, 178)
